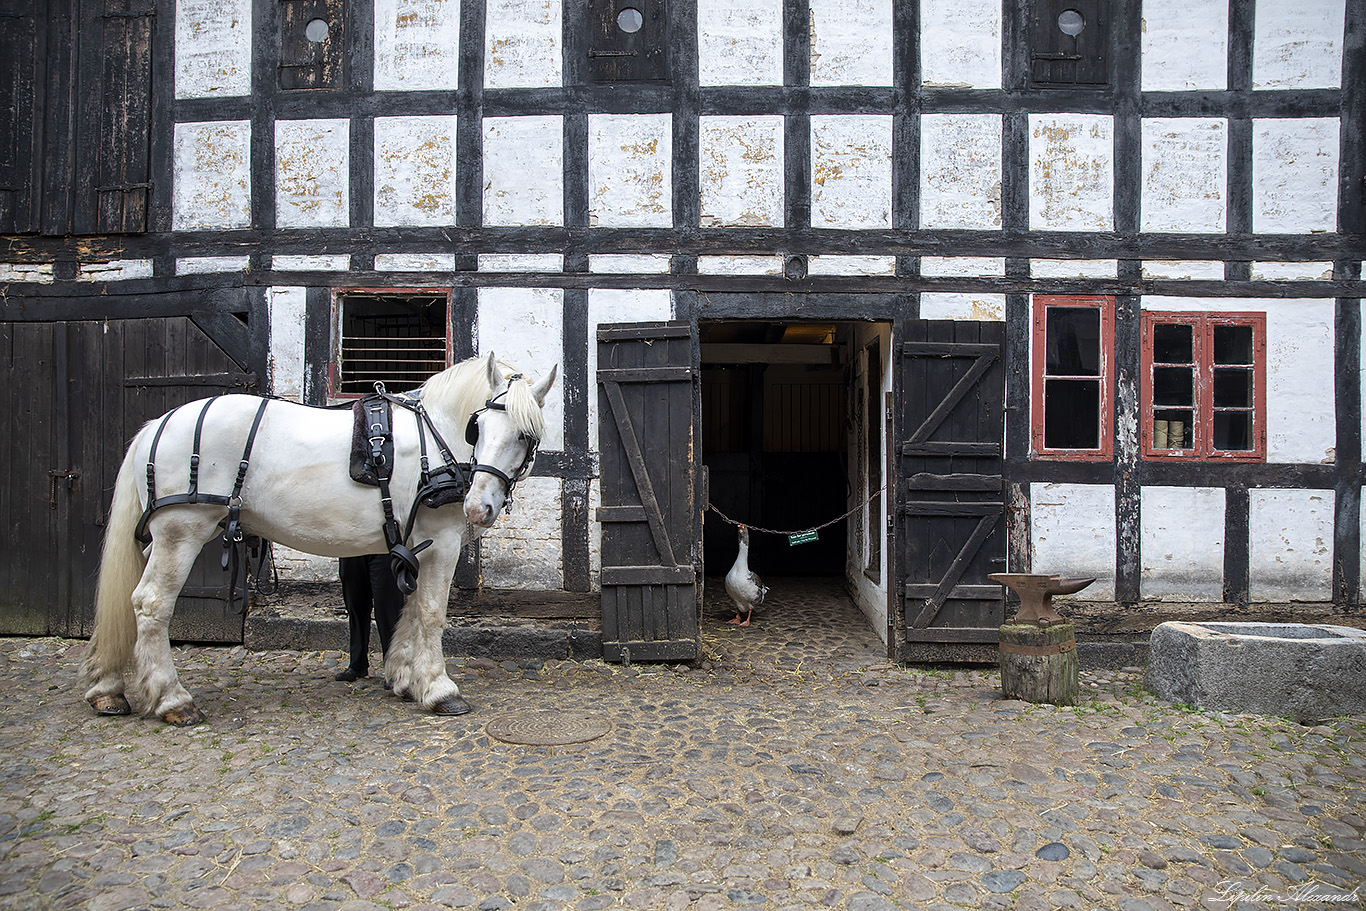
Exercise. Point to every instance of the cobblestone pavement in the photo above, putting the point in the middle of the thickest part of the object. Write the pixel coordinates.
(792, 767)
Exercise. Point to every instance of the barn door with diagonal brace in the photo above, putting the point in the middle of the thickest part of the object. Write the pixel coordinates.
(952, 507)
(651, 522)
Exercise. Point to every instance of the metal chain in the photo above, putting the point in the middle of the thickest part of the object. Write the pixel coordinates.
(773, 531)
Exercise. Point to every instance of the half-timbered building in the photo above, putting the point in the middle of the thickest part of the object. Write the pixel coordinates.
(1065, 286)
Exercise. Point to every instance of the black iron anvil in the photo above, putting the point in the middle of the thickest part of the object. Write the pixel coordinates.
(1036, 591)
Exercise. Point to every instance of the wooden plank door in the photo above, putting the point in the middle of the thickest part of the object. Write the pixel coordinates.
(87, 387)
(651, 521)
(950, 448)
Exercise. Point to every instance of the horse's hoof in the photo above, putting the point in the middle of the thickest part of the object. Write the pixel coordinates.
(111, 705)
(184, 716)
(451, 705)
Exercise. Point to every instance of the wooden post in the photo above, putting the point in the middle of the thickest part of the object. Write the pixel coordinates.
(1039, 663)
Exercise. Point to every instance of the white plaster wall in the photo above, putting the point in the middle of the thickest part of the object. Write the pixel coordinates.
(212, 48)
(1182, 543)
(740, 42)
(850, 265)
(287, 309)
(414, 262)
(960, 171)
(1184, 269)
(114, 270)
(1297, 45)
(417, 45)
(723, 264)
(211, 175)
(1295, 175)
(1184, 45)
(1071, 172)
(304, 262)
(612, 305)
(962, 266)
(1300, 419)
(1073, 268)
(963, 305)
(524, 327)
(1290, 545)
(1313, 272)
(741, 171)
(522, 43)
(524, 170)
(201, 265)
(312, 173)
(851, 171)
(38, 273)
(851, 42)
(1185, 173)
(960, 43)
(630, 174)
(414, 171)
(1073, 532)
(521, 262)
(629, 263)
(523, 550)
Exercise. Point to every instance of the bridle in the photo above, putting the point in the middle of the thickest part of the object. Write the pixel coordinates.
(510, 481)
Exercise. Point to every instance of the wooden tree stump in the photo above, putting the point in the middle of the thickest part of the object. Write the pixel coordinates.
(1039, 663)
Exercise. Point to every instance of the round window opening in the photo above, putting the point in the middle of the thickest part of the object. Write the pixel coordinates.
(316, 31)
(1071, 22)
(630, 20)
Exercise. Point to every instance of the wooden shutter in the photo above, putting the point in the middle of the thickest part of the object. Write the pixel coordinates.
(950, 450)
(618, 55)
(651, 530)
(23, 54)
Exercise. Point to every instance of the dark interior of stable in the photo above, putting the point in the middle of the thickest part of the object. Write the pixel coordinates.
(775, 405)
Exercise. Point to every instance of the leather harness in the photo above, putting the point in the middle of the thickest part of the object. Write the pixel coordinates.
(445, 483)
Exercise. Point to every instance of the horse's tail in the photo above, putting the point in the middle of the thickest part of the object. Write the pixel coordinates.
(121, 564)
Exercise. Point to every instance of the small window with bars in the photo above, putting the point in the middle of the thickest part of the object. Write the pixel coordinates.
(398, 337)
(1204, 391)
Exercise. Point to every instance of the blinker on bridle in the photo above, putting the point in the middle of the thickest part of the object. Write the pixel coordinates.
(472, 438)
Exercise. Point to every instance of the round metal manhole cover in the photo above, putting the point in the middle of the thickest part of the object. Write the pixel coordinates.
(541, 729)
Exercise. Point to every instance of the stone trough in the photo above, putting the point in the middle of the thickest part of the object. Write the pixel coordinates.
(1294, 670)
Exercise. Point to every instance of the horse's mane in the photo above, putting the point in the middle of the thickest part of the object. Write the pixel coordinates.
(462, 389)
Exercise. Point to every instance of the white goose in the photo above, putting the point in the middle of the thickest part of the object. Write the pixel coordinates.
(745, 588)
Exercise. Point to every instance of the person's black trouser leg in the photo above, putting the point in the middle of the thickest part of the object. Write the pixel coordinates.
(388, 600)
(355, 579)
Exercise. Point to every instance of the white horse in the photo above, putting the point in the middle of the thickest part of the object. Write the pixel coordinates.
(298, 491)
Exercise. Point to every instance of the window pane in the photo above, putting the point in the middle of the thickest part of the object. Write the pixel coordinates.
(1233, 344)
(1172, 344)
(1232, 430)
(1073, 341)
(1232, 387)
(1071, 414)
(1173, 386)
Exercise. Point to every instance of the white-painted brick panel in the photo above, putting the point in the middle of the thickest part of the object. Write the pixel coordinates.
(960, 171)
(1182, 543)
(1297, 45)
(522, 44)
(1184, 45)
(851, 171)
(1073, 268)
(850, 265)
(741, 171)
(114, 270)
(312, 173)
(201, 265)
(212, 48)
(630, 172)
(1184, 269)
(524, 328)
(963, 305)
(1305, 272)
(740, 42)
(38, 273)
(414, 262)
(1290, 544)
(851, 42)
(960, 43)
(523, 550)
(521, 262)
(1185, 173)
(297, 566)
(1073, 528)
(417, 45)
(524, 170)
(722, 264)
(414, 171)
(1295, 175)
(211, 184)
(629, 263)
(304, 262)
(962, 266)
(1071, 172)
(288, 307)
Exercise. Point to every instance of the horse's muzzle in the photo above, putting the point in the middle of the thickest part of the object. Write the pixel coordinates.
(481, 514)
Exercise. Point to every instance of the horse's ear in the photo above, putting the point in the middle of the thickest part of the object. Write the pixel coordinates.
(495, 375)
(539, 391)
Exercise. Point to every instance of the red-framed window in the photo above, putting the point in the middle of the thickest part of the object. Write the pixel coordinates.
(1204, 386)
(1072, 377)
(400, 336)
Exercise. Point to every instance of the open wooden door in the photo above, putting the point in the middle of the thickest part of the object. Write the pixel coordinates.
(951, 445)
(649, 442)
